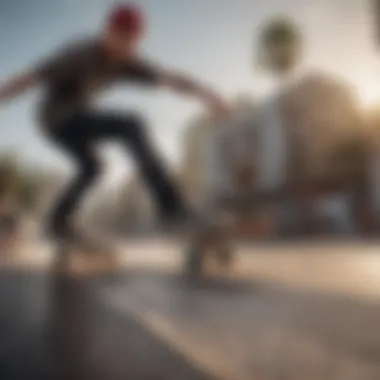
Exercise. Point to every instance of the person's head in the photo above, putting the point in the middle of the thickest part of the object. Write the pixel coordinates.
(124, 30)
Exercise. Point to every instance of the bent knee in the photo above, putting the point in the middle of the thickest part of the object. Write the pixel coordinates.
(135, 119)
(90, 170)
(134, 126)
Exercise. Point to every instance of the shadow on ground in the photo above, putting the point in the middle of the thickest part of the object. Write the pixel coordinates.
(55, 328)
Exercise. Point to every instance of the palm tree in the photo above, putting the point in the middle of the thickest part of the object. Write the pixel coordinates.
(280, 47)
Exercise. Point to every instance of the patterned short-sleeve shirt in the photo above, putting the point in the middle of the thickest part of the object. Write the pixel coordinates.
(73, 76)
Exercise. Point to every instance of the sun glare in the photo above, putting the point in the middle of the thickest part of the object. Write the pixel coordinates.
(369, 94)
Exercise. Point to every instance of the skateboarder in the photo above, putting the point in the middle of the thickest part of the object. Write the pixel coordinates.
(72, 77)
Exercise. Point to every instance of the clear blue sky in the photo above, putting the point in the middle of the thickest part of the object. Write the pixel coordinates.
(213, 39)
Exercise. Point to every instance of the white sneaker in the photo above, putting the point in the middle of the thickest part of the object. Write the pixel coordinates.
(85, 257)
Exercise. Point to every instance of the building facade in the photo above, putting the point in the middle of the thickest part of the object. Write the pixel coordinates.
(295, 139)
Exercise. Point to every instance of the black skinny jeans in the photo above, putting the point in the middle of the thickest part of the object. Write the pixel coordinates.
(78, 135)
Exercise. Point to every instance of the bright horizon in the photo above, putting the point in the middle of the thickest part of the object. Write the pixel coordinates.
(213, 40)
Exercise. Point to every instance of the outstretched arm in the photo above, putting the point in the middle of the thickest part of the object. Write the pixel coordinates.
(18, 85)
(50, 67)
(186, 85)
(145, 72)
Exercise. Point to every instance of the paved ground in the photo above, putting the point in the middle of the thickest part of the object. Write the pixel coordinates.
(285, 312)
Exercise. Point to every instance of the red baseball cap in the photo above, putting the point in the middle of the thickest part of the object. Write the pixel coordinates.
(127, 18)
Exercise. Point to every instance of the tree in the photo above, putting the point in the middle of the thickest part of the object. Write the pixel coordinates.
(9, 173)
(30, 191)
(21, 185)
(280, 46)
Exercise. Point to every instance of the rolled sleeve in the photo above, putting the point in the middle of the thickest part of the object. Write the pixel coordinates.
(58, 63)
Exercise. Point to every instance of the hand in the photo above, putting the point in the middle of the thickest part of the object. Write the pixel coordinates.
(220, 110)
(17, 86)
(218, 107)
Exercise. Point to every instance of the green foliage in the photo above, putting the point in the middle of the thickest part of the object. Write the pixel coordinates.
(9, 172)
(19, 183)
(281, 31)
(29, 191)
(280, 46)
